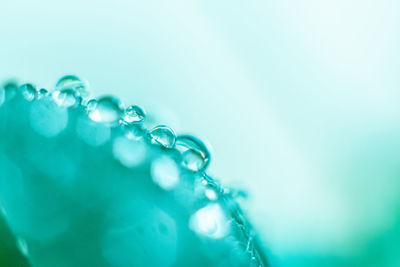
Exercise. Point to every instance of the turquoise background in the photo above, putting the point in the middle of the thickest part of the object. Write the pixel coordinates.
(299, 100)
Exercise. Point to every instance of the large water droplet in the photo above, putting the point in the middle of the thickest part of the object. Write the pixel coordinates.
(28, 91)
(108, 109)
(73, 82)
(66, 97)
(163, 136)
(134, 114)
(195, 154)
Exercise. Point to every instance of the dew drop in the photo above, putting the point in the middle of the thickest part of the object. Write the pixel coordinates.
(91, 104)
(42, 93)
(28, 91)
(108, 109)
(195, 154)
(163, 136)
(134, 114)
(66, 97)
(73, 82)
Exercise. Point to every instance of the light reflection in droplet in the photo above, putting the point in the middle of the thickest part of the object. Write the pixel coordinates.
(75, 83)
(134, 114)
(108, 110)
(28, 91)
(163, 136)
(195, 154)
(66, 97)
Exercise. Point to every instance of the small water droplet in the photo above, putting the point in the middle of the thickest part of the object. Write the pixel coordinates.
(163, 136)
(134, 114)
(22, 246)
(108, 109)
(42, 93)
(73, 82)
(91, 104)
(28, 91)
(195, 154)
(66, 97)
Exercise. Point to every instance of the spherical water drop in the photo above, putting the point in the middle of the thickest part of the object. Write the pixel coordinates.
(108, 109)
(73, 82)
(91, 104)
(66, 97)
(163, 136)
(42, 93)
(195, 154)
(28, 91)
(134, 114)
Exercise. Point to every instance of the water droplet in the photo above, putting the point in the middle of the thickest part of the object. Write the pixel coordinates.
(42, 93)
(22, 246)
(163, 136)
(73, 82)
(195, 154)
(134, 114)
(107, 110)
(66, 97)
(91, 104)
(28, 91)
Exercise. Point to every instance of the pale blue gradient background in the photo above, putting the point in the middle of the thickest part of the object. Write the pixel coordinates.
(299, 99)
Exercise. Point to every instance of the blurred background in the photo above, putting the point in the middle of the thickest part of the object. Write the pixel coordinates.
(299, 100)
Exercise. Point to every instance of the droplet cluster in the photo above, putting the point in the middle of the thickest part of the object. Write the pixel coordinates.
(107, 112)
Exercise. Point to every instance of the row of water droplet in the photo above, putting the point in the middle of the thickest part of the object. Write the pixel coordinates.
(70, 91)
